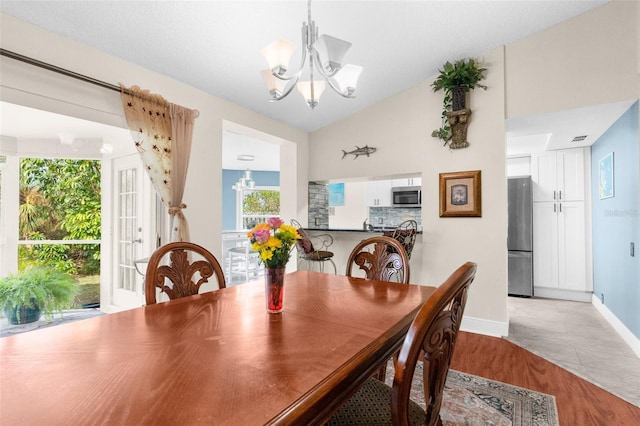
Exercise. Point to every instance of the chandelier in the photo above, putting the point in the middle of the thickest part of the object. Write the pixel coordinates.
(245, 182)
(325, 55)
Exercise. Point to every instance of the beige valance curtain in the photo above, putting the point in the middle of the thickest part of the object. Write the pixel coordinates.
(162, 132)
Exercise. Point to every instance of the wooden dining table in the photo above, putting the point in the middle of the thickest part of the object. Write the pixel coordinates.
(216, 358)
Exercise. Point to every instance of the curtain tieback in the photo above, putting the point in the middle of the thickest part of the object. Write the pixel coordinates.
(176, 209)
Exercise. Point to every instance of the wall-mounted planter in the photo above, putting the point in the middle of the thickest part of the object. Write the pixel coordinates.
(459, 121)
(456, 80)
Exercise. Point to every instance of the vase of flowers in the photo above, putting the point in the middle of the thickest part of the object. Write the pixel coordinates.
(274, 241)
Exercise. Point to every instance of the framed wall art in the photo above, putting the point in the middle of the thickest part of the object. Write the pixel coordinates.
(336, 194)
(460, 194)
(605, 184)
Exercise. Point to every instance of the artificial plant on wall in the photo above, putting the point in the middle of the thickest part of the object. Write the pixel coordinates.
(456, 80)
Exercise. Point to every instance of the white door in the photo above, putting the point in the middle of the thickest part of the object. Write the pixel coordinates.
(128, 213)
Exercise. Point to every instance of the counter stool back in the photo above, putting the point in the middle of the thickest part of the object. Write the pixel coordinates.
(406, 234)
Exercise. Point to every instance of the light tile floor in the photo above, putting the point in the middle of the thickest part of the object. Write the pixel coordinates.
(575, 336)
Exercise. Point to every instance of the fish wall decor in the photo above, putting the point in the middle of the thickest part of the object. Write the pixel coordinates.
(365, 150)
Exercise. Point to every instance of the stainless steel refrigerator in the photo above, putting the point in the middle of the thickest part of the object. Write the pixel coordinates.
(520, 236)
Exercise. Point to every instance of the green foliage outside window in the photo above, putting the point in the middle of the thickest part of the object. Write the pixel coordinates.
(259, 205)
(60, 200)
(261, 202)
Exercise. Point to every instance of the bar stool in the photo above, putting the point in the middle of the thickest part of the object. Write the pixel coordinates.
(244, 262)
(311, 254)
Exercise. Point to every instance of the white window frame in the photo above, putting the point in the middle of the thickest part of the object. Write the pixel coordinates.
(240, 194)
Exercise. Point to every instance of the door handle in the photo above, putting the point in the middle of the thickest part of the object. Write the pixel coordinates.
(554, 194)
(554, 207)
(560, 205)
(560, 195)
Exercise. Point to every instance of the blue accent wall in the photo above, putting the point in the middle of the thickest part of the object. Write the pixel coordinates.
(616, 222)
(229, 178)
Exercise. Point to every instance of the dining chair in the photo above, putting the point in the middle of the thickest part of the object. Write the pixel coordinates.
(406, 234)
(317, 253)
(381, 258)
(431, 339)
(187, 262)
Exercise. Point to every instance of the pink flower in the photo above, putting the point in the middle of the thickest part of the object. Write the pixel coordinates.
(275, 222)
(261, 235)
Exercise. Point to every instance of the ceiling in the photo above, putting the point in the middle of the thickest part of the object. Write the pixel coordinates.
(214, 46)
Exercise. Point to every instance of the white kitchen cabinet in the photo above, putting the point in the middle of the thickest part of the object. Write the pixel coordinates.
(558, 175)
(414, 181)
(379, 193)
(559, 250)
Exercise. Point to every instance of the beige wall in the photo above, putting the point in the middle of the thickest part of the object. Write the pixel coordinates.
(400, 128)
(589, 60)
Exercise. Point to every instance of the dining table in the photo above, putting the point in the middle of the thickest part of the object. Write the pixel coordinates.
(216, 358)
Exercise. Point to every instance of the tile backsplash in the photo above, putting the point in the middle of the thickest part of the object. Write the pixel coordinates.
(393, 216)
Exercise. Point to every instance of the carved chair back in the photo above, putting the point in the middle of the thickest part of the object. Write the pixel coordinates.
(189, 267)
(381, 258)
(431, 338)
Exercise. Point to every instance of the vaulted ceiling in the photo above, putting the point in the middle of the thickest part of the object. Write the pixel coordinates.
(215, 45)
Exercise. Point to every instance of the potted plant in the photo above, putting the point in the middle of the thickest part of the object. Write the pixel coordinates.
(28, 294)
(456, 80)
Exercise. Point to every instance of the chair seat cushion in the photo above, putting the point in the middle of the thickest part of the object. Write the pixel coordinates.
(317, 255)
(371, 406)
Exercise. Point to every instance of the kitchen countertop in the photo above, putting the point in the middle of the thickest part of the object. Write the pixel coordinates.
(369, 231)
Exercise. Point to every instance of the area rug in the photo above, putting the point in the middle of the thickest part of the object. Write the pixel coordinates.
(472, 400)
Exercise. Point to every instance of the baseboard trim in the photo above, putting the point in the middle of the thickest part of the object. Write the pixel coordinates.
(554, 293)
(482, 326)
(626, 334)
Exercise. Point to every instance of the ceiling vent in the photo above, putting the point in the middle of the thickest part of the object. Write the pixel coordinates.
(578, 138)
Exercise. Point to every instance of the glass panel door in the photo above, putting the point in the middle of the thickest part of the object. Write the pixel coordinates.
(127, 283)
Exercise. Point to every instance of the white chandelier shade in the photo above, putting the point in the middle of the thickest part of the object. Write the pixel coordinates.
(311, 91)
(330, 52)
(275, 86)
(325, 55)
(278, 54)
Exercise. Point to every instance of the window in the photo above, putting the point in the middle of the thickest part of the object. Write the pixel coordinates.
(257, 205)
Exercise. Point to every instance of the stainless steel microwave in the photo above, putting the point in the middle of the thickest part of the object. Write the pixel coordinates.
(406, 196)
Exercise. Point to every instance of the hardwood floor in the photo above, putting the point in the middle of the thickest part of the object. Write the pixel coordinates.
(579, 402)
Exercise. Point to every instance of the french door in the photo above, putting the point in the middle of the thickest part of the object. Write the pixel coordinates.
(130, 200)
